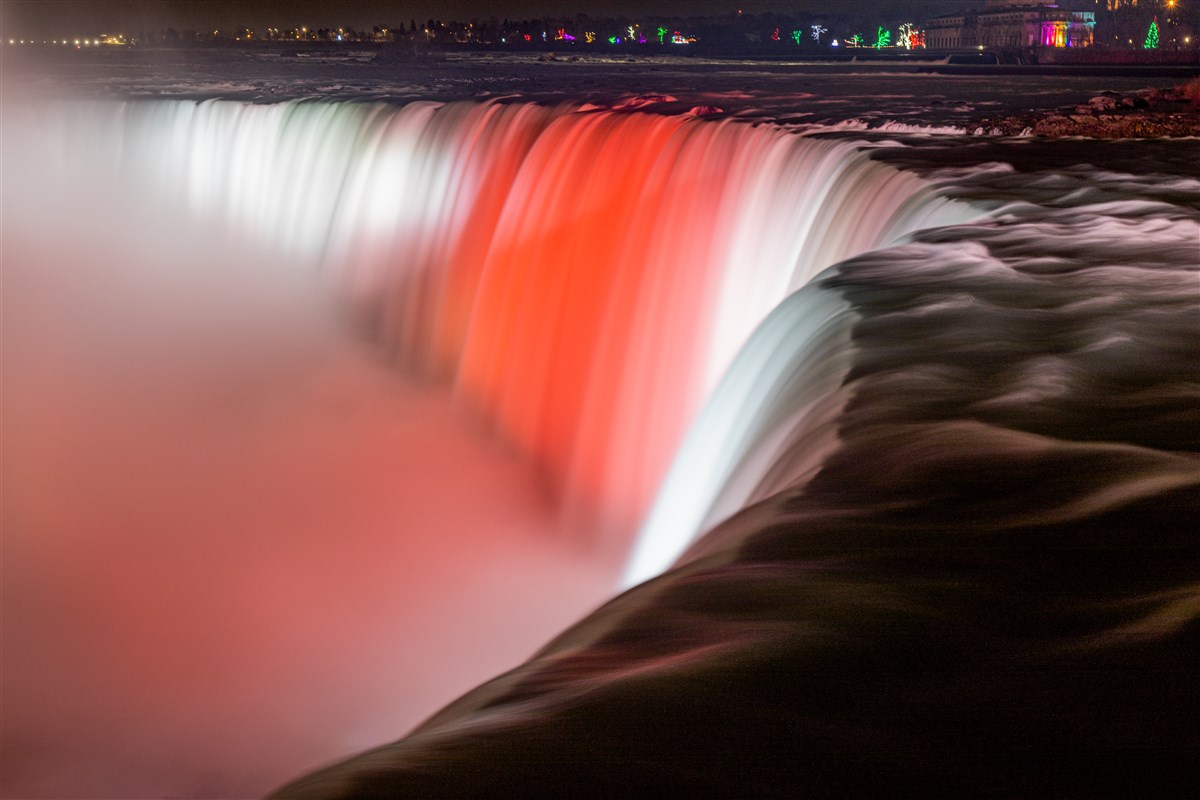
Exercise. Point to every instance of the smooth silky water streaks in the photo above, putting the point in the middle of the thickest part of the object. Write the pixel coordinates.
(1076, 237)
(782, 394)
(584, 278)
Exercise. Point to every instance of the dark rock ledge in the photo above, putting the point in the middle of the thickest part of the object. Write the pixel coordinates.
(1148, 113)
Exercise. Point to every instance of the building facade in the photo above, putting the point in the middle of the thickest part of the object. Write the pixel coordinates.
(1012, 24)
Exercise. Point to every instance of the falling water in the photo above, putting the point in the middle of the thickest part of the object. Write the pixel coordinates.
(583, 278)
(580, 279)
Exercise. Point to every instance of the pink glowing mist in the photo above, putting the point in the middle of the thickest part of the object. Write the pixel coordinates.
(231, 527)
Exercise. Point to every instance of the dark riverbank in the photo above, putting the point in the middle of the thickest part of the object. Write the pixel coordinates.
(1149, 113)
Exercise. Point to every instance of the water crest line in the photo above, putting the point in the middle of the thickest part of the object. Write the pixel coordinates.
(585, 279)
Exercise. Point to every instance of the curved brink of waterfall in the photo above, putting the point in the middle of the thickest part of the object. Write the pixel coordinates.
(583, 278)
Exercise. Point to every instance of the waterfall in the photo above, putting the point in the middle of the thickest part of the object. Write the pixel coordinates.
(584, 278)
(913, 494)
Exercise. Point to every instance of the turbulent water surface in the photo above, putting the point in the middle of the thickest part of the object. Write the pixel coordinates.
(900, 429)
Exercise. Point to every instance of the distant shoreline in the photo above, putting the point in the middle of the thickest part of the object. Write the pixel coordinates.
(958, 62)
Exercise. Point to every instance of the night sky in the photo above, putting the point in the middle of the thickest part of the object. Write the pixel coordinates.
(89, 17)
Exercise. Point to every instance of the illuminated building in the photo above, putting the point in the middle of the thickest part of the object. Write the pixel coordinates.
(1012, 24)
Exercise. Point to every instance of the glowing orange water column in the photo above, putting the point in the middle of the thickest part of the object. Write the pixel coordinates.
(586, 249)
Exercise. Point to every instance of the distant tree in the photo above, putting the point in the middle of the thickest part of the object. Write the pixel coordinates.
(1151, 42)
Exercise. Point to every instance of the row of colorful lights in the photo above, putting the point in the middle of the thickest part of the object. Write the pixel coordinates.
(632, 35)
(908, 37)
(104, 39)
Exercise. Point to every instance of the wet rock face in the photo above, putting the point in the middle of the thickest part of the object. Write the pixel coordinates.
(1173, 111)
